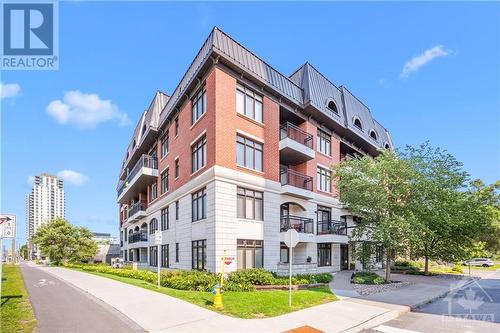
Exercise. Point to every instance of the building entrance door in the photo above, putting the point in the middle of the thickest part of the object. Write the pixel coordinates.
(344, 256)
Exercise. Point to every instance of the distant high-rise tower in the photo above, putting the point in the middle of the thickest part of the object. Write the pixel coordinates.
(43, 204)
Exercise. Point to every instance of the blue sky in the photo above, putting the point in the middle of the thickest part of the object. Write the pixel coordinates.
(428, 71)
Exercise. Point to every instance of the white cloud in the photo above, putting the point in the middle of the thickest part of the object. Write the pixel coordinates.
(85, 110)
(416, 62)
(9, 90)
(30, 180)
(72, 177)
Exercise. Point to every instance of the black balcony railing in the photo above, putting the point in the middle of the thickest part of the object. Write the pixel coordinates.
(332, 227)
(301, 224)
(297, 179)
(141, 236)
(137, 207)
(289, 130)
(145, 161)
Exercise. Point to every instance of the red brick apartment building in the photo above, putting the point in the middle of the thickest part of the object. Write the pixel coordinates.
(237, 155)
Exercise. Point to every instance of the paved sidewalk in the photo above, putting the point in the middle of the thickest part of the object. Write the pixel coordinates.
(423, 289)
(341, 285)
(157, 312)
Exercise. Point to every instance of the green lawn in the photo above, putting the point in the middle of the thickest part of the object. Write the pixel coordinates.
(241, 304)
(16, 312)
(492, 268)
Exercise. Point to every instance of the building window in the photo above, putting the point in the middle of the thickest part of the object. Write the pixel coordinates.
(284, 253)
(154, 191)
(176, 210)
(153, 226)
(357, 123)
(176, 252)
(164, 181)
(324, 142)
(176, 125)
(153, 256)
(248, 153)
(373, 135)
(198, 154)
(248, 103)
(199, 205)
(333, 107)
(164, 256)
(249, 205)
(324, 254)
(324, 180)
(199, 254)
(164, 219)
(249, 253)
(199, 105)
(164, 144)
(177, 168)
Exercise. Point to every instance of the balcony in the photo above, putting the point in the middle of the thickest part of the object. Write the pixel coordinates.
(138, 237)
(296, 145)
(296, 184)
(332, 227)
(301, 224)
(136, 212)
(141, 175)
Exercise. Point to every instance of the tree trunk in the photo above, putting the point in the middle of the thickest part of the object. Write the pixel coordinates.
(426, 269)
(388, 267)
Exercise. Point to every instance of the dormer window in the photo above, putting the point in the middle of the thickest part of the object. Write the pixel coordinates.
(331, 105)
(134, 144)
(373, 135)
(387, 146)
(143, 129)
(357, 123)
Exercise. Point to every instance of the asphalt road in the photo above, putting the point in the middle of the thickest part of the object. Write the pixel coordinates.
(475, 308)
(60, 307)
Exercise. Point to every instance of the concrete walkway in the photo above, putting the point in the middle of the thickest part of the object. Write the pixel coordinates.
(341, 285)
(157, 312)
(423, 289)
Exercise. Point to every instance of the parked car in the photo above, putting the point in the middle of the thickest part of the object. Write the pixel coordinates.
(485, 262)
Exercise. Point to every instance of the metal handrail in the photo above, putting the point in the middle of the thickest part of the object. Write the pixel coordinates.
(138, 206)
(301, 224)
(297, 179)
(289, 130)
(140, 236)
(145, 161)
(332, 227)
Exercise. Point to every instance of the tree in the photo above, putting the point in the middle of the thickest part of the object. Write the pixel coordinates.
(378, 190)
(23, 251)
(62, 242)
(445, 223)
(487, 198)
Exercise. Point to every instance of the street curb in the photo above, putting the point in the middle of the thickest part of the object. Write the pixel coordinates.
(377, 320)
(442, 295)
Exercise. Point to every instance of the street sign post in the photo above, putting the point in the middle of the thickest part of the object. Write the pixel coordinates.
(291, 240)
(158, 241)
(7, 230)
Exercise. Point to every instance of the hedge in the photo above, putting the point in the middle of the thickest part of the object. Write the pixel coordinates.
(243, 280)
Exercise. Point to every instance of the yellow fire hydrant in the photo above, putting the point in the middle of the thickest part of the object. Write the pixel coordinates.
(217, 297)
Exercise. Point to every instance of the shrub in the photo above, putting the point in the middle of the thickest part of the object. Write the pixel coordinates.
(243, 280)
(457, 268)
(367, 278)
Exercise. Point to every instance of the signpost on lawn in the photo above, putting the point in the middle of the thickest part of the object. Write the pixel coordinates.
(158, 241)
(291, 240)
(7, 230)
